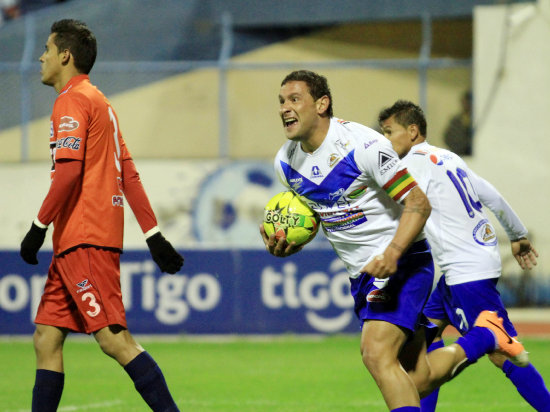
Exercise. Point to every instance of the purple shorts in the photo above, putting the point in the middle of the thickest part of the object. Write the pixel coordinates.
(400, 298)
(461, 304)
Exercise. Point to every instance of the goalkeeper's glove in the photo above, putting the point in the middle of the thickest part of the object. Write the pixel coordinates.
(164, 254)
(31, 243)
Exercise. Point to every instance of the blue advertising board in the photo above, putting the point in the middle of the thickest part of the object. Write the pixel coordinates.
(216, 292)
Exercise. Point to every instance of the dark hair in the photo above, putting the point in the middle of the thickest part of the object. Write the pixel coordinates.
(406, 113)
(317, 84)
(75, 36)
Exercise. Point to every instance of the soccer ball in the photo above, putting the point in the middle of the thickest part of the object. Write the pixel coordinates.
(288, 217)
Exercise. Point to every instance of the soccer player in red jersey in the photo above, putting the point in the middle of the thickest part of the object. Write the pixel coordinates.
(92, 172)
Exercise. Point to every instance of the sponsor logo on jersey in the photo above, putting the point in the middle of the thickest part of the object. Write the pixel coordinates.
(333, 159)
(118, 200)
(70, 142)
(316, 172)
(343, 145)
(436, 160)
(84, 285)
(343, 121)
(378, 295)
(296, 183)
(369, 144)
(67, 124)
(386, 162)
(484, 234)
(384, 159)
(342, 221)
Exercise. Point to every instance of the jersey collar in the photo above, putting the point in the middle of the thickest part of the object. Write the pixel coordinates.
(74, 81)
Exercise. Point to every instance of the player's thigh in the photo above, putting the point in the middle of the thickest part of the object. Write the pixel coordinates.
(437, 305)
(471, 298)
(92, 278)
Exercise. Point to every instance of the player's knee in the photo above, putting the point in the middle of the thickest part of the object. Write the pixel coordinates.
(119, 346)
(374, 357)
(46, 344)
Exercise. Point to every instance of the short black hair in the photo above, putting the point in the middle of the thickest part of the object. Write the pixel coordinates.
(406, 113)
(317, 84)
(75, 36)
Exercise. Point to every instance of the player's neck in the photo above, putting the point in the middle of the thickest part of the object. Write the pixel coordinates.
(65, 78)
(313, 142)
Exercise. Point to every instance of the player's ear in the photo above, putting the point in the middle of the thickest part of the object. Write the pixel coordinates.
(66, 56)
(413, 131)
(322, 104)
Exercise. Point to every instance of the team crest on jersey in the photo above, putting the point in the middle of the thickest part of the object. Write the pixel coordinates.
(484, 234)
(385, 162)
(316, 172)
(67, 124)
(378, 296)
(84, 285)
(333, 159)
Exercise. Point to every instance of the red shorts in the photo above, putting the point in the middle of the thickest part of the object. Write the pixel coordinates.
(82, 292)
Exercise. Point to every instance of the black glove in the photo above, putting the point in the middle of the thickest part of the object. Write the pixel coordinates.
(31, 244)
(164, 254)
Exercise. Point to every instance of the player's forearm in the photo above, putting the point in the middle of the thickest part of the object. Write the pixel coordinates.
(495, 202)
(67, 175)
(137, 198)
(415, 214)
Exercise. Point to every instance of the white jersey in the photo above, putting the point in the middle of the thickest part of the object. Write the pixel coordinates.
(463, 241)
(354, 181)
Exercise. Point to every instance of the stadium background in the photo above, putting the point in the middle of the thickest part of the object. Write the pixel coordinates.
(195, 86)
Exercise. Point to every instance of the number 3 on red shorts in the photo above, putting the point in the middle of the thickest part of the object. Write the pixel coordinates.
(92, 303)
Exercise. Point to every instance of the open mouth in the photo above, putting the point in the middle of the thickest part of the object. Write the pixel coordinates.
(290, 121)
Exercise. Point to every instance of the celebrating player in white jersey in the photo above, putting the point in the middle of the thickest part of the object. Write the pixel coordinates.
(463, 241)
(372, 212)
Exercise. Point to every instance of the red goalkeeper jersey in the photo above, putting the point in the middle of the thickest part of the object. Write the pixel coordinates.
(84, 127)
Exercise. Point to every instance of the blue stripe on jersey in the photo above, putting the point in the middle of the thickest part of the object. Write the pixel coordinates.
(331, 188)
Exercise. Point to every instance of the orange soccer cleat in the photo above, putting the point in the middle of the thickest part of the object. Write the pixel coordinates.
(506, 344)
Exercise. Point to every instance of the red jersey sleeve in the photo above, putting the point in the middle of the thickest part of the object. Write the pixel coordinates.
(137, 198)
(66, 178)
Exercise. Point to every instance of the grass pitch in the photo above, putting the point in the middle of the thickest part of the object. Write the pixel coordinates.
(283, 374)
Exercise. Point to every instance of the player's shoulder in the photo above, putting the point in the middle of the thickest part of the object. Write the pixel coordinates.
(429, 153)
(356, 134)
(287, 151)
(73, 94)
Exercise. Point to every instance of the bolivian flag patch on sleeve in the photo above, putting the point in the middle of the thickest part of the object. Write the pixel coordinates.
(399, 184)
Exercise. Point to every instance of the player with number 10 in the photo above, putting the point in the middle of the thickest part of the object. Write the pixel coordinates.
(464, 243)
